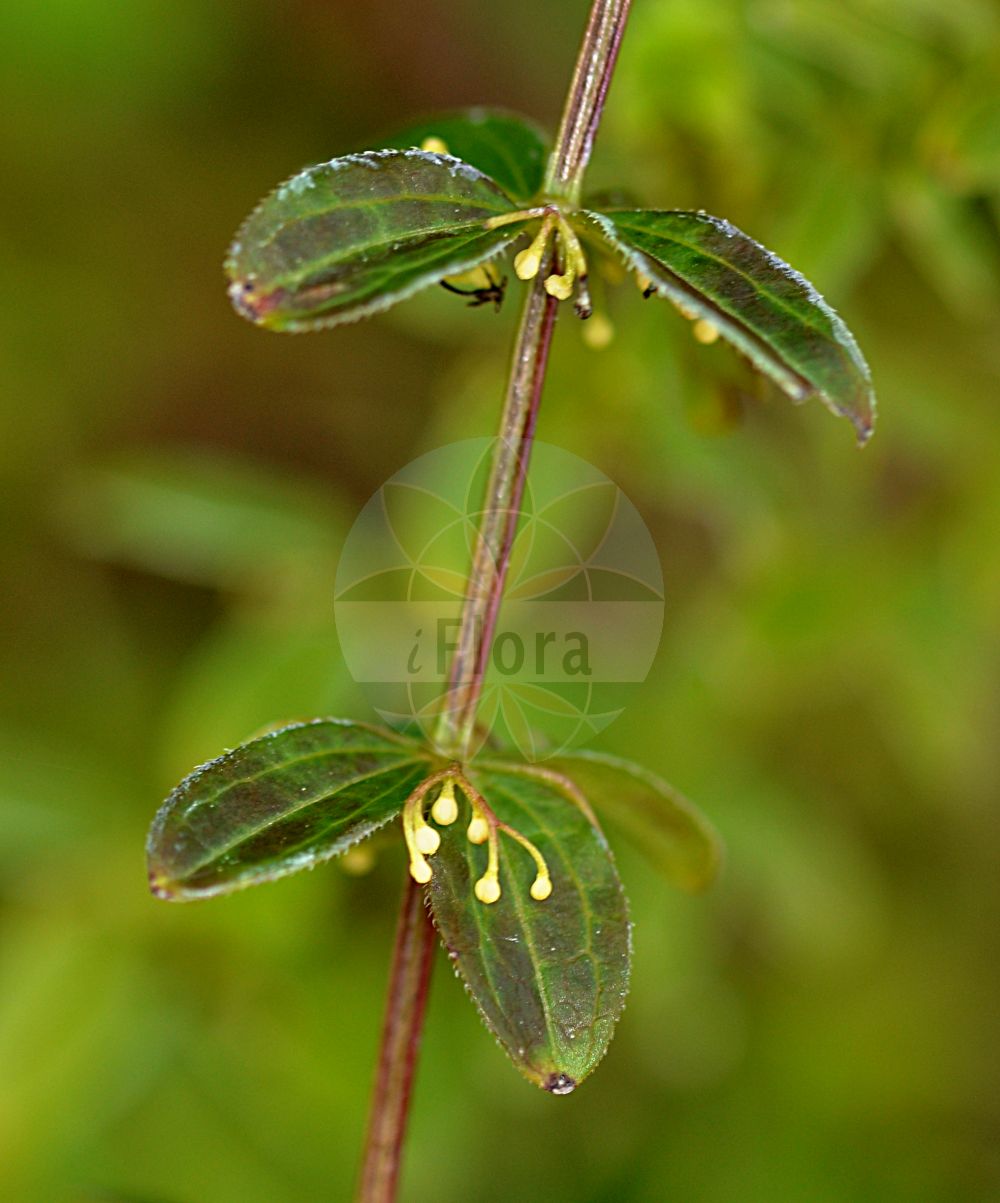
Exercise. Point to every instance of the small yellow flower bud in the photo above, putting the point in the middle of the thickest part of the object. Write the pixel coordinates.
(479, 830)
(598, 332)
(541, 888)
(561, 287)
(358, 861)
(420, 871)
(527, 263)
(484, 828)
(705, 332)
(487, 888)
(427, 840)
(445, 809)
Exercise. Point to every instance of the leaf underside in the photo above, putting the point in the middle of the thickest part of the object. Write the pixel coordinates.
(550, 977)
(277, 804)
(508, 148)
(677, 839)
(351, 237)
(769, 313)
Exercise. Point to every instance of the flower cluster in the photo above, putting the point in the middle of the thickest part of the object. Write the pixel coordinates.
(423, 839)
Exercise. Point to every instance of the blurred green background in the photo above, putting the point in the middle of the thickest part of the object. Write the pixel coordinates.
(822, 1026)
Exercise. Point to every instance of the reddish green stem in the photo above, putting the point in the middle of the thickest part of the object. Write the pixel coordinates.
(501, 510)
(585, 100)
(409, 982)
(412, 960)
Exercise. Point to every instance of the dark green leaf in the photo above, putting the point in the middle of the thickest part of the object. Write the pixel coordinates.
(549, 977)
(353, 236)
(510, 149)
(278, 804)
(679, 840)
(770, 313)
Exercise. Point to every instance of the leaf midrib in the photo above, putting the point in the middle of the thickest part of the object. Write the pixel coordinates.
(760, 290)
(380, 254)
(303, 804)
(585, 906)
(362, 206)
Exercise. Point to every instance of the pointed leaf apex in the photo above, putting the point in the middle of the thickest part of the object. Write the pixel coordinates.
(280, 803)
(715, 273)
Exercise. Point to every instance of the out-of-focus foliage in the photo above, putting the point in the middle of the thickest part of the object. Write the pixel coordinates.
(821, 1026)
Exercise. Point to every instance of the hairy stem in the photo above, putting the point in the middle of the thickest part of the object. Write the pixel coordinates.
(501, 509)
(588, 91)
(409, 981)
(564, 176)
(411, 966)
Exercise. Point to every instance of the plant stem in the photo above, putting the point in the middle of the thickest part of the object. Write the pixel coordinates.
(588, 91)
(564, 176)
(406, 1001)
(415, 937)
(501, 509)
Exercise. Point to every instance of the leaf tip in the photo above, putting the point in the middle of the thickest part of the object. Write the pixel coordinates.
(701, 880)
(864, 425)
(252, 303)
(160, 885)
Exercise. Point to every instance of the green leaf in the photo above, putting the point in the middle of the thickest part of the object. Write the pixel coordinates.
(677, 838)
(770, 313)
(549, 977)
(277, 804)
(353, 236)
(510, 149)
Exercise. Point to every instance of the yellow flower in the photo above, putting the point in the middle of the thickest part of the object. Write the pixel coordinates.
(423, 839)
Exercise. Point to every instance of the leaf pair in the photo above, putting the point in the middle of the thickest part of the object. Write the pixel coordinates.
(351, 237)
(549, 977)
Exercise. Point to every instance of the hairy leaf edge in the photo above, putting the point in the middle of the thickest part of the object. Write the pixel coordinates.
(506, 234)
(547, 1082)
(165, 888)
(700, 822)
(797, 387)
